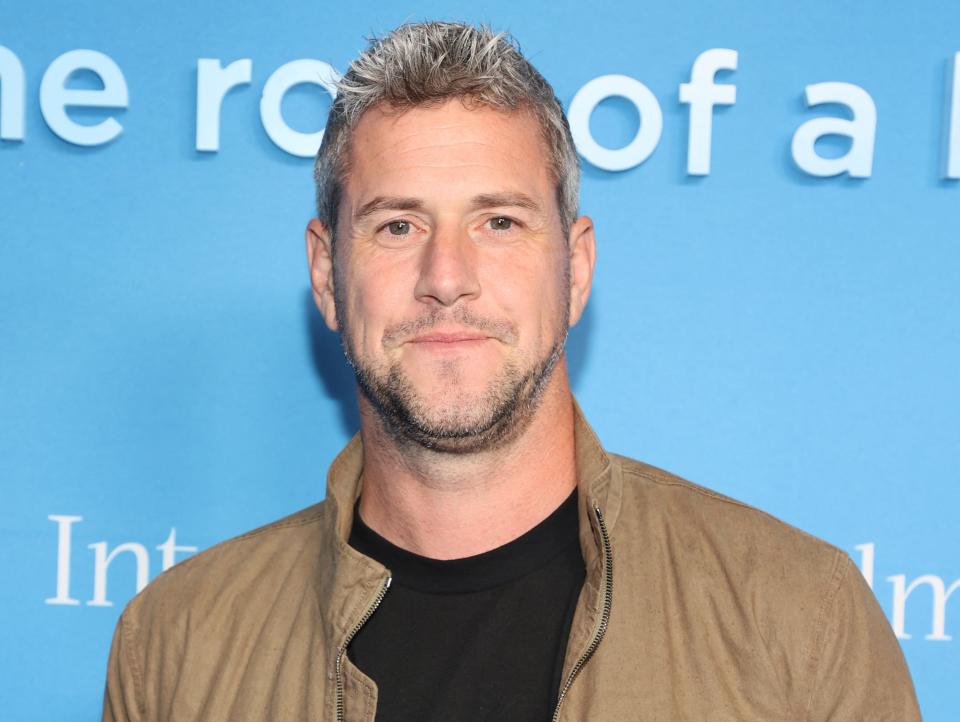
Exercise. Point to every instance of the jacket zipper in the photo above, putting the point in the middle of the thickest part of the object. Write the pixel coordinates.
(585, 657)
(346, 643)
(604, 617)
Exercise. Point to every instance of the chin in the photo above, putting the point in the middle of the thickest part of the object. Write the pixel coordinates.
(453, 421)
(457, 408)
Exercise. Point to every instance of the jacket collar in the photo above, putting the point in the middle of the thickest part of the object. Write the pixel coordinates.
(348, 582)
(599, 485)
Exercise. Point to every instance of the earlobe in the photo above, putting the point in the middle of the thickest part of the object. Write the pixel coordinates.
(583, 257)
(320, 262)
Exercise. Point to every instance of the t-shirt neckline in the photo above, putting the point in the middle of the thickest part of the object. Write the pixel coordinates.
(502, 565)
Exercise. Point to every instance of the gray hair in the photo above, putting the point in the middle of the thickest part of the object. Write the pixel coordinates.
(427, 63)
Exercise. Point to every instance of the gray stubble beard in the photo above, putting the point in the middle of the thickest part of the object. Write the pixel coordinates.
(511, 402)
(509, 407)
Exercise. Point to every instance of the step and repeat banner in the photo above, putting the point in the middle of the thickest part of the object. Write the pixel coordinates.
(776, 315)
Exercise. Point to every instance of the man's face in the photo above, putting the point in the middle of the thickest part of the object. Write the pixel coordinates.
(451, 274)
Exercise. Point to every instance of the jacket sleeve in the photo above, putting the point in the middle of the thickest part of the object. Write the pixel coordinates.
(124, 680)
(858, 671)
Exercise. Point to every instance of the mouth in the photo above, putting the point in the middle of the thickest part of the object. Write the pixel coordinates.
(449, 338)
(438, 331)
(443, 343)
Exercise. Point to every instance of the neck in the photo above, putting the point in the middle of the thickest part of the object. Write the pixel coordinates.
(448, 506)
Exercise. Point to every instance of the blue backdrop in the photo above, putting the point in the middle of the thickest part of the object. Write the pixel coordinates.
(787, 338)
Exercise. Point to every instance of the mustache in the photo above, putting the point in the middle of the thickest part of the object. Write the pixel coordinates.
(498, 328)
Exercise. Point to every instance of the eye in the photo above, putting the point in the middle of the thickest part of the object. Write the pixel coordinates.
(500, 223)
(398, 228)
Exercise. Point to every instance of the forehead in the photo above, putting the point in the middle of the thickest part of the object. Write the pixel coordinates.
(445, 149)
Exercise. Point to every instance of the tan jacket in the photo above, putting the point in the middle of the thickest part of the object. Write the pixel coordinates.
(695, 607)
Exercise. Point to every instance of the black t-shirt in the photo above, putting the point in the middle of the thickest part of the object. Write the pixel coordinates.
(479, 638)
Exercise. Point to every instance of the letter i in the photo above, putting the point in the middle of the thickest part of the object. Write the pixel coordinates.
(63, 558)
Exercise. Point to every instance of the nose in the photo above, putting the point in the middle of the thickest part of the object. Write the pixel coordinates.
(448, 269)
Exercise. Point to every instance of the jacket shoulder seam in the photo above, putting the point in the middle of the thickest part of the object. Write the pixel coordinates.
(671, 480)
(677, 482)
(298, 519)
(814, 657)
(127, 632)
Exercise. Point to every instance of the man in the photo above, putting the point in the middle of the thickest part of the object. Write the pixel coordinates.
(479, 555)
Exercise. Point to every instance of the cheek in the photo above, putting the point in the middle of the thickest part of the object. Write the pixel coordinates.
(533, 292)
(554, 298)
(375, 298)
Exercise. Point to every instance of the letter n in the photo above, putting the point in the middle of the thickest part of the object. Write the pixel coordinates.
(102, 566)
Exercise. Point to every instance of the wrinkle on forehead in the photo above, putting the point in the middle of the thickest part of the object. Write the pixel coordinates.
(446, 136)
(507, 151)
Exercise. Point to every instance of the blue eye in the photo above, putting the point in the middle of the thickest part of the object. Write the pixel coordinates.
(500, 223)
(398, 228)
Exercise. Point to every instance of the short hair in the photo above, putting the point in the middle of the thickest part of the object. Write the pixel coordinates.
(428, 63)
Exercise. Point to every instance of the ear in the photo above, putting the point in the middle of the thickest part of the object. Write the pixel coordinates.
(583, 257)
(320, 260)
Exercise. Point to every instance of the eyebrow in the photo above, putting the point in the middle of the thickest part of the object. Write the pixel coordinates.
(385, 203)
(408, 203)
(494, 200)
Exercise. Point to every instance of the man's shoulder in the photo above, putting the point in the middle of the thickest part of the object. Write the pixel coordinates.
(265, 556)
(713, 525)
(216, 628)
(723, 575)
